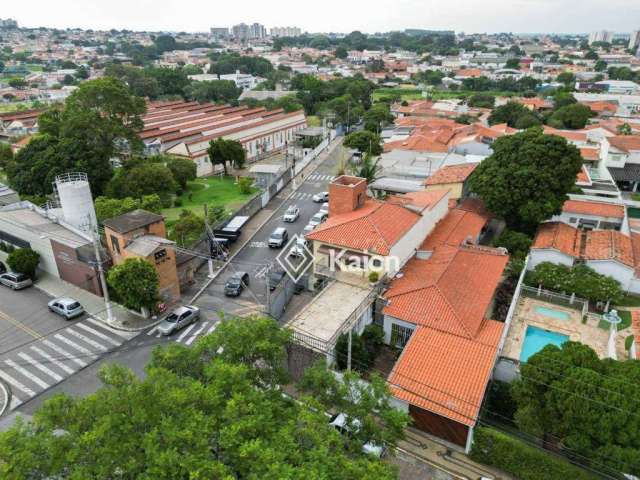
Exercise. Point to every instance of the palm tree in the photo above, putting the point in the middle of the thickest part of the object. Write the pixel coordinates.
(369, 169)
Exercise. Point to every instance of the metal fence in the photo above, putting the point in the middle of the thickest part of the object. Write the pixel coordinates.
(556, 298)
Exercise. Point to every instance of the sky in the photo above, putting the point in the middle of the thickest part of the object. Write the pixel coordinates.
(520, 16)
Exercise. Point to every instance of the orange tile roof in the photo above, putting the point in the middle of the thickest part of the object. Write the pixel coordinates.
(567, 134)
(609, 245)
(446, 374)
(600, 106)
(451, 174)
(583, 176)
(597, 209)
(589, 153)
(449, 292)
(469, 72)
(421, 199)
(374, 227)
(626, 143)
(455, 228)
(535, 102)
(558, 236)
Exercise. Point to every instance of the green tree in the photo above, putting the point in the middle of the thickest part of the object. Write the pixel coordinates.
(213, 91)
(563, 99)
(135, 283)
(364, 142)
(223, 151)
(509, 113)
(624, 129)
(341, 52)
(144, 179)
(216, 214)
(245, 185)
(600, 66)
(6, 155)
(113, 207)
(480, 100)
(24, 260)
(527, 178)
(188, 228)
(574, 116)
(513, 63)
(516, 243)
(591, 55)
(368, 168)
(17, 83)
(183, 170)
(378, 116)
(567, 78)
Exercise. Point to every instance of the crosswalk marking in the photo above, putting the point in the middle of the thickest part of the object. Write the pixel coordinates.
(57, 363)
(64, 353)
(40, 367)
(212, 328)
(69, 355)
(15, 401)
(93, 343)
(27, 374)
(196, 333)
(186, 331)
(119, 333)
(152, 331)
(15, 383)
(98, 334)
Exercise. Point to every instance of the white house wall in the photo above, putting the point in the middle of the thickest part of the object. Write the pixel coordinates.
(538, 256)
(40, 245)
(389, 321)
(620, 272)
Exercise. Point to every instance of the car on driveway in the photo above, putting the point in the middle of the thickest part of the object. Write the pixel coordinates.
(17, 281)
(278, 238)
(179, 318)
(321, 197)
(292, 214)
(66, 307)
(236, 283)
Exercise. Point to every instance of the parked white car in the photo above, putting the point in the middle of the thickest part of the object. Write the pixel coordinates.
(297, 250)
(321, 197)
(325, 208)
(292, 214)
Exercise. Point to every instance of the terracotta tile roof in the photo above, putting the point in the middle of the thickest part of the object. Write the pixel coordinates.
(626, 143)
(567, 134)
(469, 72)
(589, 153)
(535, 102)
(583, 176)
(449, 292)
(597, 209)
(609, 245)
(374, 227)
(457, 226)
(451, 174)
(446, 374)
(600, 106)
(558, 236)
(421, 199)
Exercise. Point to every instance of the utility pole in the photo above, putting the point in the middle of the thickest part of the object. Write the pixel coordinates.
(267, 271)
(103, 281)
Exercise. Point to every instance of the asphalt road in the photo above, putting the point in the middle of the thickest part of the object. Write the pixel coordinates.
(256, 257)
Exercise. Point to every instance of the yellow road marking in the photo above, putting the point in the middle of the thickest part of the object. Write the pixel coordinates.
(22, 327)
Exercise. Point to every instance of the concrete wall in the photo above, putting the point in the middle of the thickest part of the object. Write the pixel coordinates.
(620, 272)
(538, 256)
(42, 245)
(389, 321)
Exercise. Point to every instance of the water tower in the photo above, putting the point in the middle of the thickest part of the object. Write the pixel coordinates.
(74, 197)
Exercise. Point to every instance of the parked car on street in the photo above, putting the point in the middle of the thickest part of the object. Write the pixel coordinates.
(297, 250)
(17, 281)
(66, 307)
(292, 214)
(179, 318)
(325, 207)
(236, 283)
(278, 238)
(275, 277)
(321, 197)
(318, 218)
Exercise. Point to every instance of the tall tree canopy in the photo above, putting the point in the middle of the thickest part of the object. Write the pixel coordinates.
(526, 179)
(205, 412)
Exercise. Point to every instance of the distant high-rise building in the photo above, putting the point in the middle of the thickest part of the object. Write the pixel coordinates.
(286, 32)
(634, 39)
(243, 31)
(8, 23)
(219, 32)
(600, 36)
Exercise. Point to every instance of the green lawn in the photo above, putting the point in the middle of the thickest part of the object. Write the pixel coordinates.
(405, 93)
(211, 191)
(436, 94)
(625, 316)
(629, 300)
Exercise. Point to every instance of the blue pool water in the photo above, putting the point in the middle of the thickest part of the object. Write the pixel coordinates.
(537, 338)
(550, 312)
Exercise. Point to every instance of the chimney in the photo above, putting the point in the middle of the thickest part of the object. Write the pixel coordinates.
(346, 194)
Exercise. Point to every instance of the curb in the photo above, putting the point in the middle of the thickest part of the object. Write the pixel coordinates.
(7, 396)
(224, 266)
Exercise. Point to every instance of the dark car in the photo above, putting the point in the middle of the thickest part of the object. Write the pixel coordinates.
(236, 283)
(275, 277)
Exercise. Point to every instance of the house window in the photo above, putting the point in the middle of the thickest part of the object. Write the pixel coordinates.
(400, 335)
(115, 244)
(573, 220)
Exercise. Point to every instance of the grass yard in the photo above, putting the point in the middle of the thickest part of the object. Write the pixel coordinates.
(415, 94)
(407, 94)
(629, 300)
(212, 191)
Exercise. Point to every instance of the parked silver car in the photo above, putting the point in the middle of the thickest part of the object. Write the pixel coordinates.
(17, 281)
(66, 307)
(179, 318)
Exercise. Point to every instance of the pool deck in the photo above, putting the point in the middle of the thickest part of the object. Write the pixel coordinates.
(526, 314)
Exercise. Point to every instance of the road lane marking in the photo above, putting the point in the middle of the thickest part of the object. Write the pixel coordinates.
(15, 402)
(27, 374)
(196, 333)
(40, 367)
(72, 344)
(186, 331)
(118, 333)
(85, 339)
(59, 364)
(15, 383)
(98, 334)
(63, 352)
(152, 331)
(212, 328)
(21, 326)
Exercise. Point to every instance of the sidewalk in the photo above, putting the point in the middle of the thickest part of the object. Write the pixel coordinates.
(93, 304)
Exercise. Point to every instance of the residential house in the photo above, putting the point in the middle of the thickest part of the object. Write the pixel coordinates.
(142, 234)
(595, 213)
(453, 178)
(620, 154)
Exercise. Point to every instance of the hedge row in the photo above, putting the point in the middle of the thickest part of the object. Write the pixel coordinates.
(524, 462)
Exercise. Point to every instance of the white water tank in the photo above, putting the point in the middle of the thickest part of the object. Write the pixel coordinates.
(74, 194)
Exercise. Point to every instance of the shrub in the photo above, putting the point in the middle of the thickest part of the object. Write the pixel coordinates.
(24, 260)
(521, 460)
(374, 276)
(245, 184)
(177, 202)
(516, 243)
(364, 348)
(580, 279)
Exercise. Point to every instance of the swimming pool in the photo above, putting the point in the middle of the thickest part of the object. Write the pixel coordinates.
(550, 312)
(537, 338)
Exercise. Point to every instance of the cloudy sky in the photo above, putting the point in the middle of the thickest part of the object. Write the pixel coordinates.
(571, 16)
